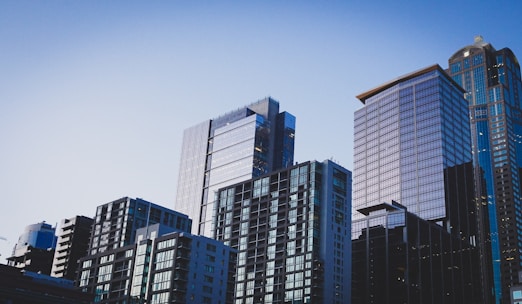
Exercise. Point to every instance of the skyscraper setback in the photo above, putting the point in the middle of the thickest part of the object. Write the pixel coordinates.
(412, 146)
(237, 146)
(491, 79)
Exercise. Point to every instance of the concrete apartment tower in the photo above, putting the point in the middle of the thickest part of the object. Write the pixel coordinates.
(72, 244)
(164, 265)
(291, 229)
(116, 222)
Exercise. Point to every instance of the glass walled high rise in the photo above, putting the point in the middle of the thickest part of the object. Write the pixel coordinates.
(493, 88)
(412, 146)
(237, 146)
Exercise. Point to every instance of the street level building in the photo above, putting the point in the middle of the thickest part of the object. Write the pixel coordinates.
(291, 229)
(242, 144)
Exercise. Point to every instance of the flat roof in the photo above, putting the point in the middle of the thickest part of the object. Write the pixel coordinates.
(364, 96)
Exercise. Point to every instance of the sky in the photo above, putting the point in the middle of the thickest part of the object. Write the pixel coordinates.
(95, 95)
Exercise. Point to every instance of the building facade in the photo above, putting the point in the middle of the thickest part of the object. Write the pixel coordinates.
(116, 222)
(412, 146)
(237, 146)
(34, 250)
(492, 83)
(291, 229)
(410, 260)
(72, 244)
(163, 266)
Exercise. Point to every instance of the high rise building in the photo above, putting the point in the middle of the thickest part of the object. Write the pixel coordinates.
(34, 250)
(72, 244)
(116, 222)
(493, 90)
(163, 266)
(291, 229)
(237, 146)
(412, 146)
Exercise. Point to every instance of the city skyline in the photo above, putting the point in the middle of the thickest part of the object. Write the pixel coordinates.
(94, 94)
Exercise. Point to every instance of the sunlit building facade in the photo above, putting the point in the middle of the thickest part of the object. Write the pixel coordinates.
(291, 229)
(412, 146)
(492, 83)
(237, 146)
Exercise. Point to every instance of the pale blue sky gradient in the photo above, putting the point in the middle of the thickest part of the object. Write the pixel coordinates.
(94, 95)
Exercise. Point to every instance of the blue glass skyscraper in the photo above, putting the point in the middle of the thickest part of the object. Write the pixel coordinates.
(35, 249)
(491, 79)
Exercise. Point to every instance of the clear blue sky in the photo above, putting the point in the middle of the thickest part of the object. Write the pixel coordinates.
(94, 95)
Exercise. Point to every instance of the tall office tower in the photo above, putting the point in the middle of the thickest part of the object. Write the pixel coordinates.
(493, 88)
(395, 254)
(163, 266)
(237, 146)
(116, 222)
(72, 244)
(412, 146)
(34, 250)
(292, 231)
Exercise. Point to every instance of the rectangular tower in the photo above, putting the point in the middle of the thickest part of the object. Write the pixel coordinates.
(72, 244)
(237, 146)
(413, 146)
(493, 88)
(292, 232)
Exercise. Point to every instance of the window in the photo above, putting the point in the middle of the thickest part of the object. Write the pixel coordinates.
(104, 273)
(207, 289)
(159, 298)
(209, 269)
(164, 259)
(161, 280)
(211, 247)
